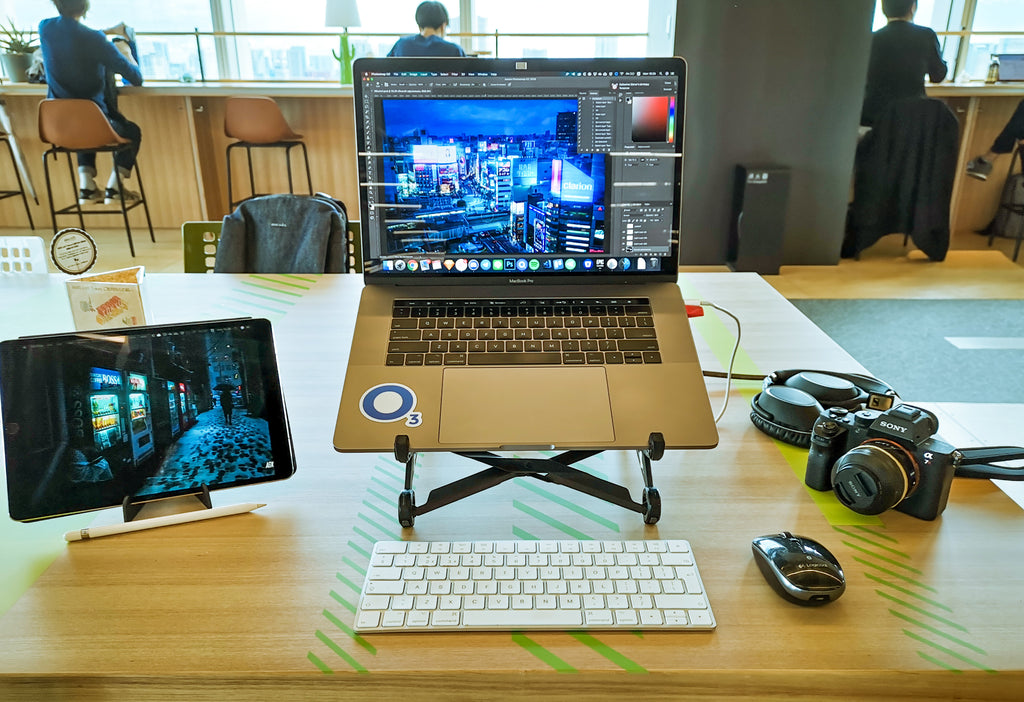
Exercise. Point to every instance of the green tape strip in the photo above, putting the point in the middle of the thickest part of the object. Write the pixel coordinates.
(370, 648)
(606, 651)
(523, 534)
(387, 532)
(948, 652)
(542, 654)
(905, 591)
(935, 630)
(550, 521)
(883, 559)
(532, 487)
(268, 297)
(894, 574)
(353, 565)
(277, 281)
(300, 278)
(873, 542)
(341, 653)
(350, 606)
(359, 549)
(319, 663)
(250, 303)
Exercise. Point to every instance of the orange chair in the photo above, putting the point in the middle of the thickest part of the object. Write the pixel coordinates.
(69, 126)
(257, 122)
(4, 194)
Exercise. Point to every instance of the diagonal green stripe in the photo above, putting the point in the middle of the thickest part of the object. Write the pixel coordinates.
(276, 281)
(390, 534)
(349, 583)
(370, 648)
(269, 289)
(353, 565)
(894, 574)
(319, 663)
(341, 653)
(250, 303)
(311, 281)
(878, 534)
(390, 488)
(905, 591)
(606, 651)
(542, 654)
(365, 535)
(874, 543)
(880, 557)
(379, 510)
(550, 521)
(533, 487)
(250, 293)
(359, 549)
(939, 632)
(343, 602)
(947, 651)
(380, 496)
(523, 534)
(941, 664)
(392, 473)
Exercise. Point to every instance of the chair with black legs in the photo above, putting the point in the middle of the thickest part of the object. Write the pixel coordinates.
(70, 126)
(4, 194)
(257, 122)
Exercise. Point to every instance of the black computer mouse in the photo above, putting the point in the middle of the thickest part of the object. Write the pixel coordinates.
(800, 569)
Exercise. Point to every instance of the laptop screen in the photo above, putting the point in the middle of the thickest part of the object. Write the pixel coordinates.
(474, 169)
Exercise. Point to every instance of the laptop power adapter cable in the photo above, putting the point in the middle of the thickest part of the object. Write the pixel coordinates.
(698, 311)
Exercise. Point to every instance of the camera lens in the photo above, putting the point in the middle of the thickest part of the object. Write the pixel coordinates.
(875, 476)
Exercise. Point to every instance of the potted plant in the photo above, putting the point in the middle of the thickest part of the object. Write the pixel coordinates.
(17, 46)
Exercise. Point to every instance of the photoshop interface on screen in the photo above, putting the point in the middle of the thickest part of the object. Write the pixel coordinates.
(477, 166)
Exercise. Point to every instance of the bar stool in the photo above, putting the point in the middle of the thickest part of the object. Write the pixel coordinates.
(70, 126)
(257, 122)
(4, 194)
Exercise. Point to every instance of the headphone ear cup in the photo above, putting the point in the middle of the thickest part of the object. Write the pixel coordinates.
(777, 431)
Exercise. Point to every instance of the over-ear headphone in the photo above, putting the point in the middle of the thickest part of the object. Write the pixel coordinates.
(791, 400)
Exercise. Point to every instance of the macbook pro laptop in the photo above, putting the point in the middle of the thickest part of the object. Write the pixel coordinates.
(520, 245)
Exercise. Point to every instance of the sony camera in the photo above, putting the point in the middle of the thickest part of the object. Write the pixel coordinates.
(876, 461)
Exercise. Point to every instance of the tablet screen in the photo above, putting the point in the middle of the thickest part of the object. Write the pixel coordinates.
(145, 412)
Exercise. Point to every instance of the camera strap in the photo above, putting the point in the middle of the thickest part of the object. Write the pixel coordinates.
(977, 462)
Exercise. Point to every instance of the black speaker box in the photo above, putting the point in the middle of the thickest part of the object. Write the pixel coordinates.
(758, 225)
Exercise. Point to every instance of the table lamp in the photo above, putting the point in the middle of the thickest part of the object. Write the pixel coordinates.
(345, 14)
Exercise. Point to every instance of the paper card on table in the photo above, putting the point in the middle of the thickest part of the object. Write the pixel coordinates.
(107, 300)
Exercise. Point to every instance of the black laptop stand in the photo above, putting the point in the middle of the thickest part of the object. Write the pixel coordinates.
(556, 470)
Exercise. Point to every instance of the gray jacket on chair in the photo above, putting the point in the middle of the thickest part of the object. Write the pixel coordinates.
(283, 234)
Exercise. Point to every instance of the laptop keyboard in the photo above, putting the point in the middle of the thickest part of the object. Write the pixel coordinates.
(577, 331)
(512, 585)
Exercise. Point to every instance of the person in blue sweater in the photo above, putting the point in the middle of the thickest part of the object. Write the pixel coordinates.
(80, 63)
(432, 19)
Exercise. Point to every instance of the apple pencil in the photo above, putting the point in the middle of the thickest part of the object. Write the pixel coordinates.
(185, 517)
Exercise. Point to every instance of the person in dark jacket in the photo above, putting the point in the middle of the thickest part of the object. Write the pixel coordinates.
(902, 53)
(432, 19)
(981, 166)
(80, 63)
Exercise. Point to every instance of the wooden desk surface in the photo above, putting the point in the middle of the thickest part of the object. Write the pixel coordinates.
(261, 604)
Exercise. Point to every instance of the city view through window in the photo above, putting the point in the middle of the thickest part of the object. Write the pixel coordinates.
(166, 55)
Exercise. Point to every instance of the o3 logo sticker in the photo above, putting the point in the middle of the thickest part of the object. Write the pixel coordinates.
(390, 402)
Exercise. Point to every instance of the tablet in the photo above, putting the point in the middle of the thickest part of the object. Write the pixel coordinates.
(144, 413)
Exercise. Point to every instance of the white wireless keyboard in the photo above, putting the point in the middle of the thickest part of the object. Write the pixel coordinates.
(512, 585)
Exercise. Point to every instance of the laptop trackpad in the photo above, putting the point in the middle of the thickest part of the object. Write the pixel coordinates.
(525, 406)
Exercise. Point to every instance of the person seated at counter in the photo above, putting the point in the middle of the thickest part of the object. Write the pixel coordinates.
(80, 63)
(432, 19)
(902, 53)
(981, 166)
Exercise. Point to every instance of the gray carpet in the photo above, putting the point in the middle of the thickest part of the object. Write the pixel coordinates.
(905, 343)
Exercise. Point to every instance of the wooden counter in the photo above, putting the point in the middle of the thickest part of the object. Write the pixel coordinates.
(182, 157)
(260, 605)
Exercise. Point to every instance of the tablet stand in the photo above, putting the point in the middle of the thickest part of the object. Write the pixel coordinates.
(131, 508)
(552, 470)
